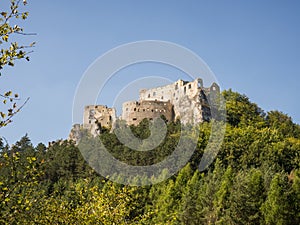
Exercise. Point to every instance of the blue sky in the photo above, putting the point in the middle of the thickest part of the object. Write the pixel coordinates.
(252, 47)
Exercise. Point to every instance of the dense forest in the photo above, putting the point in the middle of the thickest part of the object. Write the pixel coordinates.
(255, 178)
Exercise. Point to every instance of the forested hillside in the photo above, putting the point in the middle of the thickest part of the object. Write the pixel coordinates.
(255, 178)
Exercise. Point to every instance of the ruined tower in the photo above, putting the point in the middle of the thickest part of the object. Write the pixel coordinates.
(97, 116)
(190, 101)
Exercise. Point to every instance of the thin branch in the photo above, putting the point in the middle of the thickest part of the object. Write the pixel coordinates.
(8, 120)
(11, 14)
(16, 57)
(8, 97)
(21, 33)
(26, 46)
(2, 137)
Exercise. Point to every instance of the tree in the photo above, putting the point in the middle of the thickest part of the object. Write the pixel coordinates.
(246, 197)
(240, 111)
(283, 123)
(20, 192)
(276, 207)
(210, 184)
(188, 206)
(65, 162)
(221, 202)
(296, 195)
(9, 53)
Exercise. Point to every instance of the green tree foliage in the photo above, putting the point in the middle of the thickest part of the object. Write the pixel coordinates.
(255, 178)
(240, 111)
(10, 52)
(221, 202)
(188, 210)
(210, 184)
(64, 161)
(20, 192)
(275, 209)
(246, 197)
(283, 123)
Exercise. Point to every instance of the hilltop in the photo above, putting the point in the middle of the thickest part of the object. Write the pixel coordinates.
(255, 178)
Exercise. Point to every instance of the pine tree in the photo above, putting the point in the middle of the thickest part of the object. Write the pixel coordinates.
(275, 209)
(246, 197)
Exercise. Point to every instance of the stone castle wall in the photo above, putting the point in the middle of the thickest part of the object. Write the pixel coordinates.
(97, 116)
(134, 112)
(190, 99)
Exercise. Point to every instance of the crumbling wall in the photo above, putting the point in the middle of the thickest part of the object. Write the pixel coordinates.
(97, 116)
(75, 133)
(134, 112)
(190, 99)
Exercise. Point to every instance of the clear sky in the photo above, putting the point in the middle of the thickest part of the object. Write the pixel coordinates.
(252, 47)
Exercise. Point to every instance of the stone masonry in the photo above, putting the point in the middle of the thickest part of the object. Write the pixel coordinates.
(190, 99)
(97, 116)
(187, 101)
(134, 112)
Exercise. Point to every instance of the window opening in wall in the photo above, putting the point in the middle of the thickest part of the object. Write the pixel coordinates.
(90, 121)
(109, 118)
(151, 110)
(154, 93)
(199, 84)
(92, 114)
(176, 86)
(143, 110)
(134, 109)
(134, 119)
(184, 90)
(162, 97)
(148, 95)
(190, 86)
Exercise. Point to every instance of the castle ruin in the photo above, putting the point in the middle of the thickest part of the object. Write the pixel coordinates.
(188, 101)
(95, 117)
(134, 112)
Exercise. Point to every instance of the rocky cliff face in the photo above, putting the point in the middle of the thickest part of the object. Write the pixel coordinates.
(76, 133)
